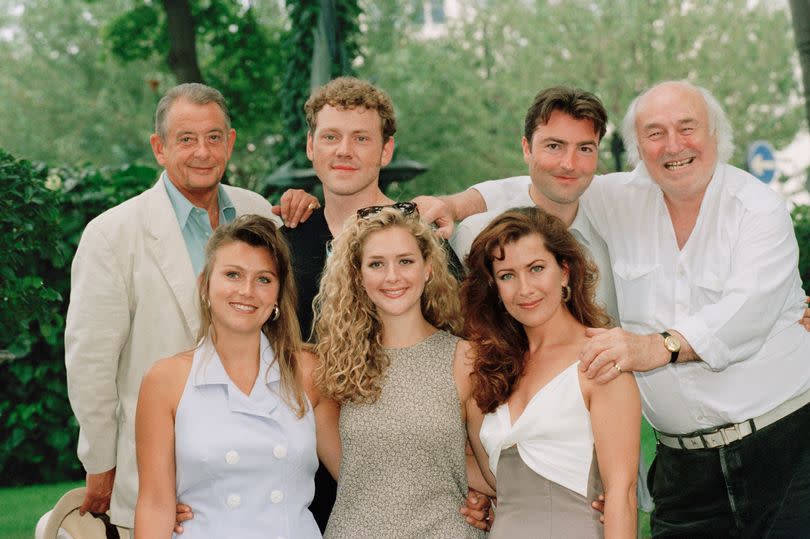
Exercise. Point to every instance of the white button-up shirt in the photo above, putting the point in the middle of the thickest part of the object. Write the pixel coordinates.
(508, 193)
(733, 292)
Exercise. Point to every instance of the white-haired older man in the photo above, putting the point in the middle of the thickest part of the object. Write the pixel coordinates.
(705, 265)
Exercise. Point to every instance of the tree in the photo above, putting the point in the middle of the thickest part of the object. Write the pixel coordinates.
(801, 29)
(322, 32)
(461, 97)
(182, 41)
(63, 98)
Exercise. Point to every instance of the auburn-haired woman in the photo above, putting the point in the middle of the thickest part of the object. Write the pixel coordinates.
(550, 436)
(229, 427)
(384, 316)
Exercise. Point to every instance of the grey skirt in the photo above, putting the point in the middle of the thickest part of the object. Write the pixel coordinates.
(532, 507)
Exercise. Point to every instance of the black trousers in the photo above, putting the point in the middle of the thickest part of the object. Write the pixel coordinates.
(756, 487)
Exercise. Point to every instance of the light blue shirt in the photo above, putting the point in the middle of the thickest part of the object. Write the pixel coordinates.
(194, 222)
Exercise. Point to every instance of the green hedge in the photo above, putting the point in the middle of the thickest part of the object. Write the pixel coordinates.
(43, 213)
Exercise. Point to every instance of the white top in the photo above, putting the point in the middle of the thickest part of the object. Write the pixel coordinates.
(733, 292)
(245, 463)
(502, 195)
(553, 434)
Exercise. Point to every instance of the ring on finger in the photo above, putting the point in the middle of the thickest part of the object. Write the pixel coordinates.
(313, 205)
(616, 366)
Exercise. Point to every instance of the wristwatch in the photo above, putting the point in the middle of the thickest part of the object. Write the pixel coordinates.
(672, 344)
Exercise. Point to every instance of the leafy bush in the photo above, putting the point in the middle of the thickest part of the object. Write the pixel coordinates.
(801, 223)
(44, 213)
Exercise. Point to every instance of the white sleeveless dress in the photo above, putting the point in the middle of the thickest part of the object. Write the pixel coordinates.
(545, 464)
(245, 463)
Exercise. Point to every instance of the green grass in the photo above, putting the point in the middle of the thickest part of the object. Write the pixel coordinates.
(648, 449)
(22, 507)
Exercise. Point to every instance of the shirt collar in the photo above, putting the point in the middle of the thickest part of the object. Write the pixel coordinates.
(182, 206)
(581, 227)
(213, 372)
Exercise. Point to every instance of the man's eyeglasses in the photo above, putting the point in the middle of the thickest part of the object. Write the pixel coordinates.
(406, 208)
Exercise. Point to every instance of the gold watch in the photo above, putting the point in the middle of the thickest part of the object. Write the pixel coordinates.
(672, 344)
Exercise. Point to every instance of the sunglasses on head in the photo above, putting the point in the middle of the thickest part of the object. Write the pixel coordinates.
(406, 208)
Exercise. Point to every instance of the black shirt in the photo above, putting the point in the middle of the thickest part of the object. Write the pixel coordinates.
(308, 242)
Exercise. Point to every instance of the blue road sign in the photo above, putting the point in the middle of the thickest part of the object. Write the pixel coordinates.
(761, 160)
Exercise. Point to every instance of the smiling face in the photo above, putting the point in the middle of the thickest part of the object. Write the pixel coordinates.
(674, 139)
(562, 156)
(394, 272)
(347, 150)
(529, 281)
(243, 288)
(197, 147)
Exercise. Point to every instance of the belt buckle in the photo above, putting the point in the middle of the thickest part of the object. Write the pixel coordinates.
(726, 433)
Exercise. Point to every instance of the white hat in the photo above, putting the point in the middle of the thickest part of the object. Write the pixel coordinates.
(65, 518)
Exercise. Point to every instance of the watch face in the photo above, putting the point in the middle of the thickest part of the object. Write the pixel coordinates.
(672, 344)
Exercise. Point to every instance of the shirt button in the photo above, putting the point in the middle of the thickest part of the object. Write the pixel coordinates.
(279, 451)
(276, 496)
(232, 457)
(234, 501)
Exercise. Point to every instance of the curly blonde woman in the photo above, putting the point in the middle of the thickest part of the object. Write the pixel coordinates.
(384, 313)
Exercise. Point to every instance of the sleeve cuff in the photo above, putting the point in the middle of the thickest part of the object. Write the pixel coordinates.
(713, 353)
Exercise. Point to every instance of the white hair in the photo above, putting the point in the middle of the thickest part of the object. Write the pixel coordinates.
(719, 125)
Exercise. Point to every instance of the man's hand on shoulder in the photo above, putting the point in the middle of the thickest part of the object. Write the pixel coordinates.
(99, 489)
(436, 211)
(295, 206)
(610, 352)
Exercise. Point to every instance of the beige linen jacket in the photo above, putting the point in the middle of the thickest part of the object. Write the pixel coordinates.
(132, 301)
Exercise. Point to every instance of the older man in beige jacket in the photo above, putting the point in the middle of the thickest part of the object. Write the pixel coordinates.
(133, 283)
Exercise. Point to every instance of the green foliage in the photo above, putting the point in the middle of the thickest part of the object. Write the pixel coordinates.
(298, 46)
(63, 99)
(137, 34)
(238, 54)
(801, 223)
(462, 92)
(29, 216)
(37, 428)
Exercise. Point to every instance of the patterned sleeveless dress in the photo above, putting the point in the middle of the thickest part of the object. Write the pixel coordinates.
(403, 471)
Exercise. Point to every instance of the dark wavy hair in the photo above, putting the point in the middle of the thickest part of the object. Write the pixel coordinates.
(574, 102)
(499, 341)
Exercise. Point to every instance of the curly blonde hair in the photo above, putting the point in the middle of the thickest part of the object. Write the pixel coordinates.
(348, 331)
(351, 93)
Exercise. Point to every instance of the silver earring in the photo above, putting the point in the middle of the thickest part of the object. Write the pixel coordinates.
(275, 314)
(566, 293)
